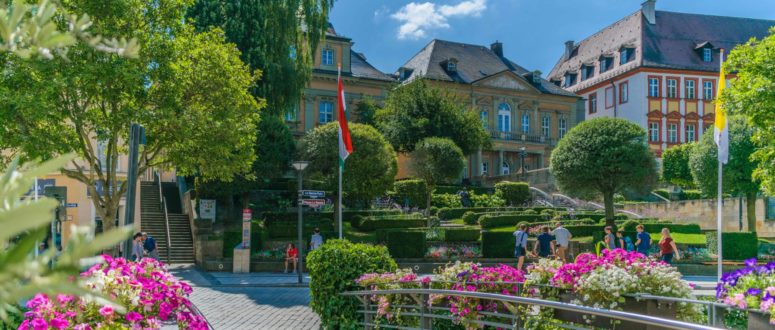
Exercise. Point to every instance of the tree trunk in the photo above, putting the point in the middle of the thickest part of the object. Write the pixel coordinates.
(608, 201)
(428, 200)
(750, 203)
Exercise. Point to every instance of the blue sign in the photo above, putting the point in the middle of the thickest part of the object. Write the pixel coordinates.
(42, 184)
(313, 193)
(71, 205)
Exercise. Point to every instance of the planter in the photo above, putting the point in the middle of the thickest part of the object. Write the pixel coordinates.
(648, 307)
(758, 320)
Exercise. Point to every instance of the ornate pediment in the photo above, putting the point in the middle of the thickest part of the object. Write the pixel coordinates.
(655, 114)
(506, 80)
(674, 115)
(692, 116)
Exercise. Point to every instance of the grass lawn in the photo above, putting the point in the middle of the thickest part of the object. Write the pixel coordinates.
(691, 239)
(354, 235)
(457, 221)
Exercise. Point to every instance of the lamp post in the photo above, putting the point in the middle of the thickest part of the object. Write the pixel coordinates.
(299, 166)
(522, 155)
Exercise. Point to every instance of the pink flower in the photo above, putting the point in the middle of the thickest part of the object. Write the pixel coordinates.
(59, 323)
(39, 324)
(106, 311)
(134, 317)
(426, 280)
(82, 326)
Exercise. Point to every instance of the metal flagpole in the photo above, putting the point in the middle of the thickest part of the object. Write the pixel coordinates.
(339, 204)
(35, 194)
(341, 161)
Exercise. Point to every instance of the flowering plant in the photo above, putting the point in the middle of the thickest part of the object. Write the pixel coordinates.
(543, 271)
(387, 304)
(752, 287)
(453, 251)
(148, 294)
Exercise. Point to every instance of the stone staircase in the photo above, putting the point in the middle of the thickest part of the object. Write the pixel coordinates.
(182, 247)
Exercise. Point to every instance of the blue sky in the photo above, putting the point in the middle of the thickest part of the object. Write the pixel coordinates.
(389, 32)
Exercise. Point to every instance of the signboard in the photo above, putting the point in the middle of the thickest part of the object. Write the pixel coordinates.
(42, 184)
(313, 203)
(207, 209)
(99, 185)
(71, 205)
(313, 193)
(247, 215)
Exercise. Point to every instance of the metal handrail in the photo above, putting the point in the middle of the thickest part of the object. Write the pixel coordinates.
(163, 207)
(619, 315)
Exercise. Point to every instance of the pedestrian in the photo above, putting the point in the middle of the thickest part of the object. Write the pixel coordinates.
(643, 241)
(544, 243)
(625, 242)
(667, 248)
(610, 239)
(316, 241)
(520, 250)
(562, 238)
(292, 255)
(149, 244)
(137, 247)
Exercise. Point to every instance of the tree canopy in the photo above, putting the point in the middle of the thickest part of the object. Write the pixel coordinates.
(278, 37)
(417, 110)
(604, 156)
(752, 94)
(436, 160)
(675, 165)
(368, 172)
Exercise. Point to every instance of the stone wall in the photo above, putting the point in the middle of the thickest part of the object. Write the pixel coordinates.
(703, 212)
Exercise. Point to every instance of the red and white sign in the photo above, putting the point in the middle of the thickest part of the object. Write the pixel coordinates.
(247, 215)
(314, 203)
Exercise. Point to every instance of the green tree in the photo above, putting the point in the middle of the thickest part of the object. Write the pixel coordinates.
(737, 173)
(366, 110)
(278, 37)
(675, 165)
(436, 160)
(751, 94)
(368, 172)
(416, 111)
(275, 148)
(604, 156)
(189, 90)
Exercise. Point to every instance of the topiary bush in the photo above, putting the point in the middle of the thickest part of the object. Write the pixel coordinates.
(471, 218)
(585, 230)
(371, 224)
(691, 194)
(514, 193)
(498, 244)
(461, 234)
(333, 269)
(493, 221)
(630, 225)
(406, 243)
(445, 200)
(736, 245)
(415, 192)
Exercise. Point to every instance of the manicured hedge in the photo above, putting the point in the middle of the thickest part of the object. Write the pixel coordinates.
(655, 228)
(514, 193)
(406, 243)
(457, 212)
(598, 216)
(739, 246)
(277, 231)
(415, 192)
(492, 221)
(461, 234)
(496, 244)
(370, 224)
(585, 230)
(272, 217)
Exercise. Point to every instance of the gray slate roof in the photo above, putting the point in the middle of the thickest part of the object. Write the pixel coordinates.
(474, 62)
(363, 69)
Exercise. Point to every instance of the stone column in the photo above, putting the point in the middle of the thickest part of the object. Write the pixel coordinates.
(478, 170)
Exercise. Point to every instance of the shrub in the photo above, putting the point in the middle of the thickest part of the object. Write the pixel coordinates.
(381, 235)
(406, 243)
(457, 213)
(230, 240)
(455, 189)
(485, 200)
(663, 192)
(414, 192)
(333, 269)
(461, 234)
(585, 230)
(588, 221)
(690, 228)
(514, 193)
(471, 218)
(498, 244)
(630, 225)
(434, 210)
(492, 221)
(532, 211)
(445, 200)
(691, 194)
(736, 245)
(371, 224)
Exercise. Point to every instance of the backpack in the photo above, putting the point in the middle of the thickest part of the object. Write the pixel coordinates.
(629, 245)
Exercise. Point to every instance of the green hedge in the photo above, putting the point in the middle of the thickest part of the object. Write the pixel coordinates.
(461, 234)
(457, 212)
(289, 229)
(585, 230)
(737, 246)
(514, 193)
(655, 228)
(406, 243)
(413, 191)
(497, 244)
(370, 224)
(492, 221)
(455, 189)
(471, 218)
(272, 217)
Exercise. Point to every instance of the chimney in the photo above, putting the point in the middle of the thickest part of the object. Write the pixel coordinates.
(649, 11)
(568, 49)
(497, 48)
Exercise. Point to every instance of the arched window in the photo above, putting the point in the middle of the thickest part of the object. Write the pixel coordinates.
(504, 118)
(485, 120)
(505, 170)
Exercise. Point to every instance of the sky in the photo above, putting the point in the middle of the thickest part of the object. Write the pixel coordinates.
(533, 32)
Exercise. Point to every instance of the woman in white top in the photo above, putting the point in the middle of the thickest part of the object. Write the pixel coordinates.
(137, 247)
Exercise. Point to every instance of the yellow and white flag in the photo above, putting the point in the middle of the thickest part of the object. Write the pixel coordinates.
(721, 129)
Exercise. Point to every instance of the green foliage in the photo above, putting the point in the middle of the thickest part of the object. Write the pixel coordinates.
(498, 244)
(663, 192)
(279, 38)
(471, 218)
(371, 224)
(486, 200)
(735, 245)
(585, 230)
(691, 194)
(275, 148)
(492, 221)
(675, 165)
(290, 229)
(514, 193)
(456, 213)
(454, 189)
(630, 225)
(366, 110)
(333, 269)
(369, 170)
(416, 111)
(691, 228)
(436, 160)
(406, 244)
(410, 191)
(461, 234)
(749, 94)
(604, 156)
(445, 200)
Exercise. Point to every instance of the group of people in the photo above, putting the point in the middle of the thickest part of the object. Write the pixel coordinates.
(555, 242)
(143, 246)
(292, 253)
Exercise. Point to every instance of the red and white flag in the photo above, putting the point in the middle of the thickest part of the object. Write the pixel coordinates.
(345, 143)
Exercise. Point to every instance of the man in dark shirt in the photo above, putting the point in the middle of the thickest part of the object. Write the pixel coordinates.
(643, 242)
(544, 243)
(149, 244)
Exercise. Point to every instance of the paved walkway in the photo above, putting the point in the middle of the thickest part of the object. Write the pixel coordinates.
(250, 301)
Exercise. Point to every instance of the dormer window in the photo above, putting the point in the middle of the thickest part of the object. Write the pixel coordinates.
(556, 82)
(606, 63)
(626, 54)
(707, 55)
(404, 73)
(587, 71)
(570, 79)
(451, 65)
(537, 77)
(327, 56)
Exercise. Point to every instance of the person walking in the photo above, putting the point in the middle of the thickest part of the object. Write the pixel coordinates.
(610, 239)
(544, 243)
(667, 248)
(149, 244)
(643, 241)
(520, 250)
(137, 247)
(291, 255)
(625, 242)
(562, 238)
(316, 241)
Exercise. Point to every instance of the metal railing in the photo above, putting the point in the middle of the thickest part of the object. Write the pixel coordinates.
(424, 311)
(516, 136)
(163, 207)
(715, 309)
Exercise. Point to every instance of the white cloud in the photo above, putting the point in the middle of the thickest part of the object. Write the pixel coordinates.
(417, 18)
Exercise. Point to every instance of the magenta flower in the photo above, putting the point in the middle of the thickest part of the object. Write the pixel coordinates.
(39, 324)
(106, 311)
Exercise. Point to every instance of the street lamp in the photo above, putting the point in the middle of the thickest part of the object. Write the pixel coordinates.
(522, 155)
(300, 166)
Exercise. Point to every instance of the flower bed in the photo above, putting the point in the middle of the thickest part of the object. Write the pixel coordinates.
(752, 287)
(147, 296)
(453, 251)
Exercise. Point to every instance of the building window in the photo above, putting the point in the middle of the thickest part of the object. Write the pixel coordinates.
(570, 79)
(327, 56)
(626, 55)
(689, 93)
(653, 132)
(624, 92)
(690, 135)
(609, 97)
(707, 90)
(606, 63)
(587, 71)
(291, 114)
(451, 66)
(484, 116)
(485, 167)
(504, 118)
(326, 113)
(545, 125)
(592, 103)
(707, 55)
(653, 87)
(562, 127)
(505, 169)
(526, 123)
(672, 133)
(672, 90)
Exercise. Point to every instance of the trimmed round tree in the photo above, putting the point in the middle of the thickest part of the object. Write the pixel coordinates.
(675, 165)
(514, 193)
(604, 156)
(436, 160)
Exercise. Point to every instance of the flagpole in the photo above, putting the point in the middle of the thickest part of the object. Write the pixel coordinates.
(341, 164)
(719, 200)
